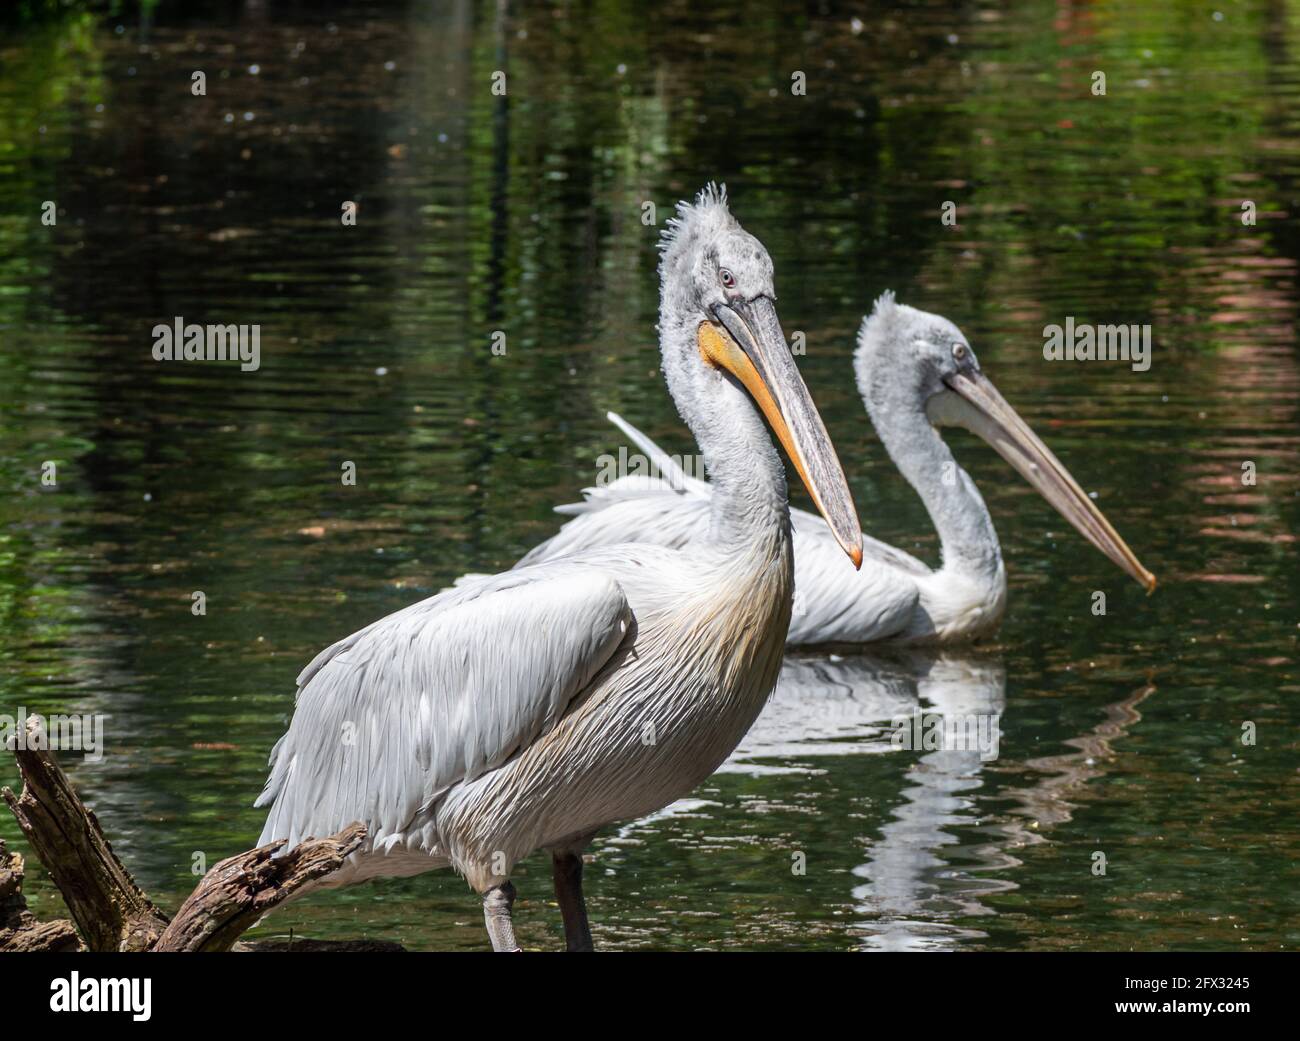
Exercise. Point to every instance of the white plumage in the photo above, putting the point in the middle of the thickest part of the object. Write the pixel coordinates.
(833, 603)
(391, 717)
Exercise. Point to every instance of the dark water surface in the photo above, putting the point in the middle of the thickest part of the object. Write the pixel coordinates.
(1118, 734)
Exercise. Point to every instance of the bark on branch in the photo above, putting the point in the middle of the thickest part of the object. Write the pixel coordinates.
(110, 910)
(238, 891)
(19, 929)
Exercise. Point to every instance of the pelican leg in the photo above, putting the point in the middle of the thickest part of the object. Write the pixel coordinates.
(567, 869)
(497, 903)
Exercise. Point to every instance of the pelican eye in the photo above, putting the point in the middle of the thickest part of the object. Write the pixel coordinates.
(727, 278)
(958, 351)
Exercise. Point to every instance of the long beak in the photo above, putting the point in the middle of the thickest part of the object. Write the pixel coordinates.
(997, 422)
(748, 343)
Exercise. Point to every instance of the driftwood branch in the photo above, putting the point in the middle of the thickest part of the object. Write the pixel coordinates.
(19, 929)
(238, 891)
(110, 910)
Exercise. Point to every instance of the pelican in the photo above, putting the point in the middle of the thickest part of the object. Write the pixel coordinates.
(915, 372)
(527, 710)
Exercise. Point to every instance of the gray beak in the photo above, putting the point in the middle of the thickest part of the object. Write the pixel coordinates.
(998, 423)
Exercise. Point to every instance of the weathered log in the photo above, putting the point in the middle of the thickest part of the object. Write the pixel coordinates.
(109, 909)
(19, 929)
(241, 889)
(111, 912)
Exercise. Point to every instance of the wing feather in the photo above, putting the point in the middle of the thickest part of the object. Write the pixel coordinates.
(441, 692)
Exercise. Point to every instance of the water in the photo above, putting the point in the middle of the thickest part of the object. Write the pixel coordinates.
(1119, 735)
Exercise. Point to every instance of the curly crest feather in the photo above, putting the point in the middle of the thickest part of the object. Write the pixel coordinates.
(708, 212)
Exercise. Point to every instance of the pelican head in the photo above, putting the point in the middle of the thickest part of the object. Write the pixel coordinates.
(721, 336)
(910, 359)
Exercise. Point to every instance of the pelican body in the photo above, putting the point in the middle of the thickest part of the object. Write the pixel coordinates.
(915, 372)
(527, 710)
